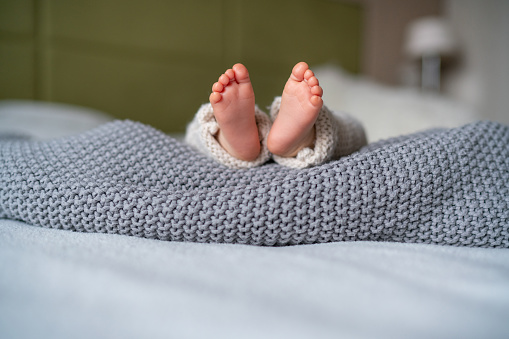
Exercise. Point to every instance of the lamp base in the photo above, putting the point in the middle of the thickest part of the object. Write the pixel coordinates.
(430, 73)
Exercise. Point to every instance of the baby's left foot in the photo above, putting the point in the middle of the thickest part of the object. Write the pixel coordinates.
(233, 102)
(301, 103)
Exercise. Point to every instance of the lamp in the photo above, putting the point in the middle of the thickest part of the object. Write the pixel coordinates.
(429, 39)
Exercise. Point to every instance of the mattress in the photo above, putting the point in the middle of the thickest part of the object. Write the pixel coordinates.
(61, 284)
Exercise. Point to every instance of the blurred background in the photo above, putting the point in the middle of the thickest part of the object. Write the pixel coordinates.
(154, 61)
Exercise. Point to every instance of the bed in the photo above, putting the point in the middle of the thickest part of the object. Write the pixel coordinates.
(58, 284)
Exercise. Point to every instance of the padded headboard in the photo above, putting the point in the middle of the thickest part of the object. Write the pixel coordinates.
(155, 61)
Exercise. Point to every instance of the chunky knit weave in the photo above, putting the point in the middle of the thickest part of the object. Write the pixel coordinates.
(446, 187)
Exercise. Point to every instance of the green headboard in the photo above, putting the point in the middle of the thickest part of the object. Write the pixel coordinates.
(155, 60)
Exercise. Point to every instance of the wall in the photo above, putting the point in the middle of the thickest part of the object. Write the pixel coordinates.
(482, 79)
(17, 49)
(155, 60)
(385, 22)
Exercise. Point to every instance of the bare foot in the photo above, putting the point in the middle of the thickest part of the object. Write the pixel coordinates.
(233, 102)
(301, 103)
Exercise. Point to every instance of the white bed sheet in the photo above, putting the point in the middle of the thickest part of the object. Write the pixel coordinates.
(62, 284)
(44, 120)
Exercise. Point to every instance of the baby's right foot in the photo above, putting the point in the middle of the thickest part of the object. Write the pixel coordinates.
(233, 102)
(301, 103)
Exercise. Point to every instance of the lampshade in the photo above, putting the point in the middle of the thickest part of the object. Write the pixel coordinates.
(430, 36)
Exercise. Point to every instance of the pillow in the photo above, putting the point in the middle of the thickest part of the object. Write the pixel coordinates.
(44, 120)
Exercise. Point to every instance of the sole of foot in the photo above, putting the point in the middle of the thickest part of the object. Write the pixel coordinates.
(233, 102)
(301, 103)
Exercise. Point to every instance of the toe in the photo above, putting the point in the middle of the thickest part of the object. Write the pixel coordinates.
(241, 73)
(299, 70)
(215, 97)
(313, 81)
(217, 87)
(308, 74)
(224, 80)
(317, 90)
(230, 74)
(316, 101)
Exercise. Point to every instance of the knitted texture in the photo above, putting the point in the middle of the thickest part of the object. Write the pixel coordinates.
(447, 187)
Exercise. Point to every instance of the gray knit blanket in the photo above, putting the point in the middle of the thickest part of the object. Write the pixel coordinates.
(447, 187)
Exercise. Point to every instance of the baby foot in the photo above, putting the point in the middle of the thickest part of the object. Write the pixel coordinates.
(301, 103)
(233, 102)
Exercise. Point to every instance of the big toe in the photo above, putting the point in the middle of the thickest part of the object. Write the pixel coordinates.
(241, 73)
(299, 70)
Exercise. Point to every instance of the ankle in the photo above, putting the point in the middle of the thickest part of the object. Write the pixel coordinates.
(276, 144)
(249, 153)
